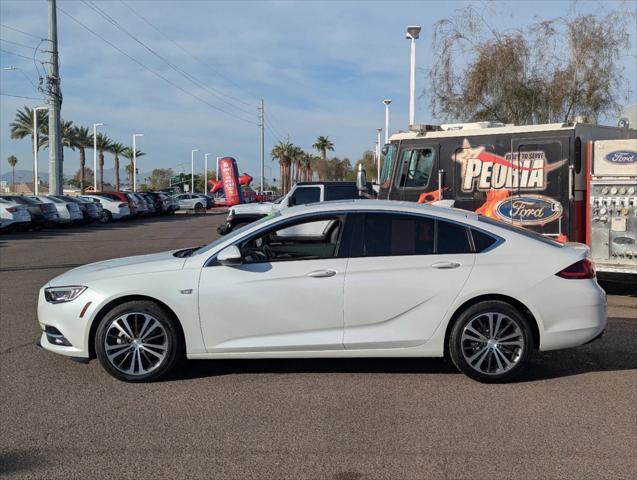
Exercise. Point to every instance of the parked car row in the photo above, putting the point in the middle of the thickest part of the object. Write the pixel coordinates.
(35, 212)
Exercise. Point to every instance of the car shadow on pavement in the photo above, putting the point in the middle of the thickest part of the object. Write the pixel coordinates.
(18, 460)
(615, 351)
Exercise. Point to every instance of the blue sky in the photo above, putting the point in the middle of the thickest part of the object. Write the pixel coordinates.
(323, 68)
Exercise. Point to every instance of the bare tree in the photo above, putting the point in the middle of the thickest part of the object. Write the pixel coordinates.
(550, 71)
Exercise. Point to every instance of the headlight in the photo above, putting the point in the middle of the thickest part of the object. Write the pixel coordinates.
(62, 294)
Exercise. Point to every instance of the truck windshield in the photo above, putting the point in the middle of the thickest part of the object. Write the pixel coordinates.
(388, 164)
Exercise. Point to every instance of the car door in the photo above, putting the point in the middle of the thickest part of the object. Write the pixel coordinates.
(287, 294)
(403, 274)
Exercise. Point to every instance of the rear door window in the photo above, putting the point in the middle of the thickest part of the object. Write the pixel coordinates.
(387, 234)
(304, 195)
(340, 192)
(452, 238)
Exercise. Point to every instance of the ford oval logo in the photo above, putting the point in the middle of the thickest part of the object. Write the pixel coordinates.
(622, 157)
(529, 209)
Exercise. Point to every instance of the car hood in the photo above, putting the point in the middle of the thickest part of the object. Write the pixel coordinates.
(244, 208)
(156, 262)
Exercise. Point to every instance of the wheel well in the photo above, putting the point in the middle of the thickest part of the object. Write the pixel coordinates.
(118, 301)
(523, 309)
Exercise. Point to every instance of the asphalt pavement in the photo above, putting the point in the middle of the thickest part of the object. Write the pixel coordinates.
(572, 415)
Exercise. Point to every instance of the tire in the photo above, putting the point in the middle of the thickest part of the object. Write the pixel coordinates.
(239, 225)
(199, 208)
(107, 217)
(487, 357)
(135, 360)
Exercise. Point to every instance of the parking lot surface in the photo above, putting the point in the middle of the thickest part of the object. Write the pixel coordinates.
(572, 415)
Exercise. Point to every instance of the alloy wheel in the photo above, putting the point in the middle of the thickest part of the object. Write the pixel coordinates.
(492, 343)
(135, 343)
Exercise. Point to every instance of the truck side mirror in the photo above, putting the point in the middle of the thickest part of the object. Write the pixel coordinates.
(291, 201)
(361, 179)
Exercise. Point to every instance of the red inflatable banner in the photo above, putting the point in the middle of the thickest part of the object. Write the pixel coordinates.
(244, 180)
(230, 181)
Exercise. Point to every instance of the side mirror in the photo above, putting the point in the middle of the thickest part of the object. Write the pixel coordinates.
(291, 201)
(361, 179)
(230, 256)
(385, 149)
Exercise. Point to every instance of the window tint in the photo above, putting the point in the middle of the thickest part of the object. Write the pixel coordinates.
(308, 240)
(340, 192)
(388, 234)
(452, 238)
(481, 240)
(304, 195)
(415, 169)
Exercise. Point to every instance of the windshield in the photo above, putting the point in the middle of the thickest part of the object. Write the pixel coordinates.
(235, 233)
(388, 164)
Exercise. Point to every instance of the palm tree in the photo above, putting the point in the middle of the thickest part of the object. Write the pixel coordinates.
(22, 126)
(296, 155)
(283, 152)
(103, 144)
(306, 167)
(12, 161)
(117, 149)
(83, 140)
(323, 144)
(128, 155)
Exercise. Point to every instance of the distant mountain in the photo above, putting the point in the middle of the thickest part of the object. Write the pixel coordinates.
(109, 175)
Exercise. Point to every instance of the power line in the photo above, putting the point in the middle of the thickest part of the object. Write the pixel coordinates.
(179, 70)
(170, 82)
(20, 31)
(218, 73)
(13, 53)
(30, 47)
(20, 96)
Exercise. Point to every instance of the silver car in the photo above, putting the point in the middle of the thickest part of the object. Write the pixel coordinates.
(69, 212)
(188, 201)
(13, 216)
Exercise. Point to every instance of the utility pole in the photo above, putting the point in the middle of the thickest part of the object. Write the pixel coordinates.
(56, 153)
(262, 125)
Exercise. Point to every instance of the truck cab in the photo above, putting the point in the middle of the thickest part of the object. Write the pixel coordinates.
(301, 193)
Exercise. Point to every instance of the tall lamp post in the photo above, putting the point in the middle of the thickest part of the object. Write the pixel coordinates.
(205, 173)
(135, 135)
(412, 34)
(378, 130)
(95, 125)
(192, 170)
(36, 148)
(387, 101)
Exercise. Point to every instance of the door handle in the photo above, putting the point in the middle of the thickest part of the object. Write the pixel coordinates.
(321, 273)
(445, 265)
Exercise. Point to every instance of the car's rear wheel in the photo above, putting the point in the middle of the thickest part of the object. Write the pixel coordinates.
(138, 342)
(491, 342)
(199, 208)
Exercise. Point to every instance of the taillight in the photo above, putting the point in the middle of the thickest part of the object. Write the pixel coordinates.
(579, 270)
(122, 205)
(12, 209)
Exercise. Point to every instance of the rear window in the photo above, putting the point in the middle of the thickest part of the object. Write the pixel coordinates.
(340, 192)
(304, 195)
(387, 234)
(519, 230)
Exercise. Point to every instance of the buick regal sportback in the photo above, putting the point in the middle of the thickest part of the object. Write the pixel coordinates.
(361, 278)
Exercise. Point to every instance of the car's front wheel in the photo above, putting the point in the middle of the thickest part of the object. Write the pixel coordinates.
(138, 342)
(491, 342)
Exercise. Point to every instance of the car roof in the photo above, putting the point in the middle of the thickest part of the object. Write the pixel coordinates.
(384, 205)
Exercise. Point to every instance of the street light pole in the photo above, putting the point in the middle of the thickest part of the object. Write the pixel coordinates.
(387, 101)
(412, 34)
(192, 170)
(135, 135)
(205, 173)
(36, 148)
(378, 130)
(95, 125)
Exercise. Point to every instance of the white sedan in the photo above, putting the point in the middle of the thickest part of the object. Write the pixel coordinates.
(364, 278)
